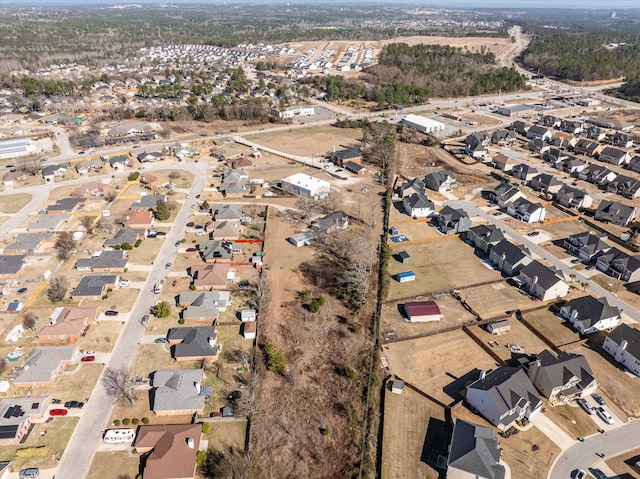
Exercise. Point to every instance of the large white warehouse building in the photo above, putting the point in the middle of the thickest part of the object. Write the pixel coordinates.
(305, 185)
(423, 124)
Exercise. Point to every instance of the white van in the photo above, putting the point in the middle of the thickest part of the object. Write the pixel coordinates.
(114, 436)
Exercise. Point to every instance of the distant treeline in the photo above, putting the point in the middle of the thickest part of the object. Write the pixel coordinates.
(631, 89)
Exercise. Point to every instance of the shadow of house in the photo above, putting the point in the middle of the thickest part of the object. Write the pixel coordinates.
(457, 388)
(436, 442)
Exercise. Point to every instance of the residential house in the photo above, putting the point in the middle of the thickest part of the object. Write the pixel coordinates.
(623, 343)
(104, 262)
(594, 133)
(229, 213)
(589, 315)
(504, 193)
(68, 323)
(13, 177)
(453, 221)
(538, 146)
(11, 265)
(503, 137)
(181, 152)
(200, 307)
(626, 186)
(621, 140)
(338, 220)
(66, 205)
(304, 238)
(563, 140)
(484, 237)
(586, 245)
(597, 174)
(119, 162)
(537, 132)
(150, 156)
(571, 126)
(178, 392)
(43, 366)
(524, 172)
(614, 212)
(550, 121)
(555, 156)
(587, 147)
(93, 188)
(619, 265)
(49, 173)
(520, 127)
(562, 378)
(509, 258)
(503, 162)
(172, 450)
(441, 181)
(154, 182)
(147, 202)
(543, 282)
(215, 251)
(126, 235)
(614, 156)
(87, 166)
(234, 176)
(572, 165)
(546, 183)
(353, 153)
(504, 396)
(194, 343)
(526, 211)
(17, 416)
(139, 219)
(571, 197)
(92, 288)
(233, 190)
(211, 276)
(418, 206)
(48, 223)
(241, 163)
(28, 243)
(415, 185)
(476, 144)
(474, 453)
(634, 164)
(223, 230)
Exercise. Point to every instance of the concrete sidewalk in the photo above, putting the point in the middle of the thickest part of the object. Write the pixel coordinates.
(552, 431)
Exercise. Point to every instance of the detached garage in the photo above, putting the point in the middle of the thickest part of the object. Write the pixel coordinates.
(422, 311)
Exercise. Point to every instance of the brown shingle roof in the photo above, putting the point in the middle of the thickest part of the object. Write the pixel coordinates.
(171, 458)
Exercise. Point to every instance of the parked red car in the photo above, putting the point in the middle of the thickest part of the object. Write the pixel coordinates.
(58, 412)
(88, 359)
(191, 250)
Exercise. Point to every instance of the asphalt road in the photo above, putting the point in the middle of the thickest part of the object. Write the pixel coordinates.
(473, 210)
(583, 454)
(87, 437)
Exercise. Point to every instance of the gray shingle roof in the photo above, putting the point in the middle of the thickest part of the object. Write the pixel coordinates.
(42, 361)
(125, 235)
(177, 390)
(626, 333)
(94, 285)
(474, 449)
(12, 263)
(562, 368)
(591, 310)
(546, 276)
(27, 241)
(106, 260)
(194, 341)
(148, 202)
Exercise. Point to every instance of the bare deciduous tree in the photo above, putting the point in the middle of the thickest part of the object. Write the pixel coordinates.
(65, 245)
(332, 201)
(30, 163)
(231, 463)
(118, 384)
(29, 320)
(87, 222)
(307, 207)
(260, 294)
(58, 288)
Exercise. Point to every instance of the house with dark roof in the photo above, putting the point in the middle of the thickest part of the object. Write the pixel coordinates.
(453, 221)
(126, 235)
(422, 311)
(48, 223)
(571, 165)
(415, 185)
(503, 137)
(43, 366)
(593, 132)
(615, 156)
(150, 156)
(571, 197)
(520, 127)
(104, 262)
(571, 126)
(474, 453)
(338, 220)
(93, 287)
(509, 258)
(28, 243)
(194, 343)
(504, 396)
(537, 132)
(589, 315)
(119, 162)
(524, 172)
(504, 193)
(550, 121)
(147, 202)
(555, 156)
(176, 392)
(202, 306)
(615, 212)
(546, 183)
(49, 173)
(626, 186)
(562, 378)
(586, 245)
(353, 153)
(211, 276)
(476, 145)
(66, 205)
(587, 147)
(526, 211)
(11, 265)
(634, 164)
(418, 206)
(619, 265)
(229, 213)
(484, 237)
(169, 451)
(538, 146)
(503, 162)
(17, 415)
(597, 174)
(241, 163)
(543, 282)
(215, 251)
(621, 140)
(441, 181)
(623, 343)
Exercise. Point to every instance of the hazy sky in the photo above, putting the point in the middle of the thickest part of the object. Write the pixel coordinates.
(584, 4)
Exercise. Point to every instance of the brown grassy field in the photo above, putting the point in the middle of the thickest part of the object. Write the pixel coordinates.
(14, 203)
(622, 464)
(494, 300)
(434, 363)
(104, 462)
(410, 439)
(316, 141)
(518, 334)
(553, 327)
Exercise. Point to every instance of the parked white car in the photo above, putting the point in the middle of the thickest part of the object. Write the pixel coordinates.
(604, 415)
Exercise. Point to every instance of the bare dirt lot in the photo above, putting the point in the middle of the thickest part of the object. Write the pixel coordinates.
(316, 141)
(408, 448)
(435, 363)
(494, 300)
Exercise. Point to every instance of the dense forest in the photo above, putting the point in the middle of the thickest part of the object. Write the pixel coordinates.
(631, 89)
(411, 74)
